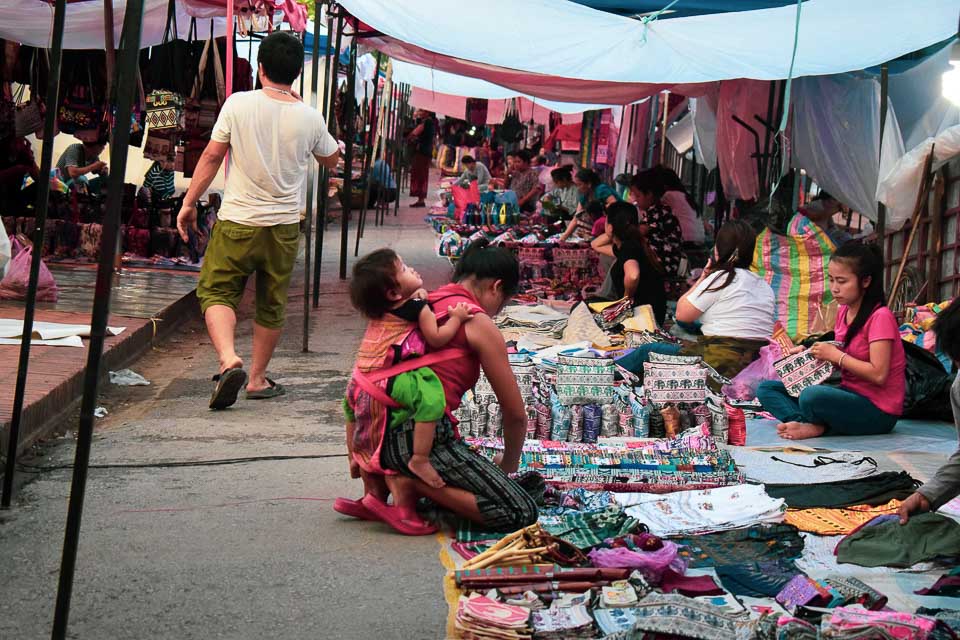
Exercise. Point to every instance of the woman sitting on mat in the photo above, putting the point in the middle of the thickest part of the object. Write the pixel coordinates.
(945, 484)
(475, 488)
(634, 275)
(734, 306)
(871, 360)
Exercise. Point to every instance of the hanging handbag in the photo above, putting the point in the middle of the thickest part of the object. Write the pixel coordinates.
(8, 112)
(79, 110)
(802, 370)
(171, 61)
(200, 112)
(165, 111)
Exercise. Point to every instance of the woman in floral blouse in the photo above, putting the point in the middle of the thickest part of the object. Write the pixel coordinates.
(657, 221)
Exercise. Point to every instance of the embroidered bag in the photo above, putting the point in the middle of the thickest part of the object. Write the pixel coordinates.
(585, 380)
(680, 383)
(802, 370)
(79, 111)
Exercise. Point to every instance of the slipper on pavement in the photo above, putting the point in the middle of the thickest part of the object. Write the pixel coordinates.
(228, 388)
(353, 508)
(407, 523)
(273, 391)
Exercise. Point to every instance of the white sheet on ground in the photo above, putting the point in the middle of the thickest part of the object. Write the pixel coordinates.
(69, 341)
(802, 468)
(11, 328)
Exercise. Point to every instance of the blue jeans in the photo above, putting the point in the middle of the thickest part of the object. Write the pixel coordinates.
(633, 361)
(842, 412)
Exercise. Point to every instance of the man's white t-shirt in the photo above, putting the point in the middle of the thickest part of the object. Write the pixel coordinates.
(743, 309)
(271, 143)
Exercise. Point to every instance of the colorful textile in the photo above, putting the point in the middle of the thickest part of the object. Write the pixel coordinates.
(757, 579)
(690, 586)
(773, 467)
(947, 585)
(926, 536)
(674, 383)
(759, 543)
(795, 266)
(651, 563)
(585, 380)
(681, 616)
(586, 529)
(857, 623)
(857, 592)
(690, 512)
(877, 489)
(837, 522)
(801, 370)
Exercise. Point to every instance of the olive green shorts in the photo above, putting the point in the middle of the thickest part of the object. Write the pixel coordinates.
(234, 253)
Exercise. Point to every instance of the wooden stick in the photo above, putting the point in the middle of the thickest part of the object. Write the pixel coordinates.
(915, 223)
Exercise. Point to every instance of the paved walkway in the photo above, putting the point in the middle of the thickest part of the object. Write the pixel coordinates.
(235, 551)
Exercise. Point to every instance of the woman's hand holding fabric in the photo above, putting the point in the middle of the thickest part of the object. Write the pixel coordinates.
(826, 352)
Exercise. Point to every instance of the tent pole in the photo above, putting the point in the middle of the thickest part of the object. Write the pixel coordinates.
(881, 208)
(399, 122)
(330, 101)
(663, 133)
(407, 115)
(651, 131)
(390, 146)
(40, 221)
(349, 132)
(368, 149)
(311, 182)
(230, 44)
(109, 45)
(126, 88)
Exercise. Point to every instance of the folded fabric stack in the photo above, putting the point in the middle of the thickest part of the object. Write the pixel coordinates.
(610, 314)
(539, 319)
(481, 618)
(703, 511)
(562, 623)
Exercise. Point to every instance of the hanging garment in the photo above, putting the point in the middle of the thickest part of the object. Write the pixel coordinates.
(837, 522)
(690, 512)
(877, 489)
(926, 536)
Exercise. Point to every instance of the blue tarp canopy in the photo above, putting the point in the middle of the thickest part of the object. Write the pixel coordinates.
(682, 9)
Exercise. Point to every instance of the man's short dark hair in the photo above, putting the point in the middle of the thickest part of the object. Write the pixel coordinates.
(524, 155)
(281, 55)
(467, 160)
(374, 276)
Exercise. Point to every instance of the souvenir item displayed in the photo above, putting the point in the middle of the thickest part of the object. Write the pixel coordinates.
(583, 380)
(802, 370)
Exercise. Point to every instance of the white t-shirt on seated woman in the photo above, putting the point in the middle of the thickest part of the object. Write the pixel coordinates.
(742, 309)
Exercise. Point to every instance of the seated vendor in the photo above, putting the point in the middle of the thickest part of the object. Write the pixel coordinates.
(584, 225)
(821, 211)
(383, 186)
(944, 486)
(562, 201)
(633, 274)
(657, 221)
(83, 158)
(16, 164)
(525, 182)
(159, 179)
(591, 187)
(870, 358)
(734, 306)
(474, 170)
(676, 197)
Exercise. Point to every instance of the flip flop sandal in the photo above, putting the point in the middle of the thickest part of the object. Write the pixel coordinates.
(228, 388)
(407, 523)
(273, 391)
(353, 508)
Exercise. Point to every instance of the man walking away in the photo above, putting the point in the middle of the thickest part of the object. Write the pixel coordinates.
(271, 136)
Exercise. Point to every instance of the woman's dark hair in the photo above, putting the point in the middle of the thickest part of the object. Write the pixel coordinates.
(561, 173)
(374, 275)
(467, 160)
(648, 181)
(947, 329)
(524, 155)
(596, 209)
(590, 177)
(865, 261)
(483, 261)
(541, 159)
(281, 55)
(625, 220)
(735, 242)
(672, 182)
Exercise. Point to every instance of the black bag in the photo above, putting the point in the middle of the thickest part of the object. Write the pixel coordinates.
(928, 386)
(172, 65)
(511, 129)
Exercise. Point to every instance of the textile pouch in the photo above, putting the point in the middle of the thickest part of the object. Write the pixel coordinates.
(585, 380)
(804, 591)
(29, 115)
(857, 592)
(674, 383)
(78, 111)
(165, 111)
(802, 370)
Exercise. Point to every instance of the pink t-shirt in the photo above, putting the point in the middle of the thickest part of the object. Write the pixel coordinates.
(881, 325)
(599, 227)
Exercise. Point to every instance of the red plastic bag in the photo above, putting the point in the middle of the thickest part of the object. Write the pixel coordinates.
(464, 196)
(744, 384)
(14, 284)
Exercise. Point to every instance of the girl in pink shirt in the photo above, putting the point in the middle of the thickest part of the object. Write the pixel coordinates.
(870, 357)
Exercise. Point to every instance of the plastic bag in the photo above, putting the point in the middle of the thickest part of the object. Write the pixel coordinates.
(744, 384)
(17, 279)
(6, 250)
(128, 378)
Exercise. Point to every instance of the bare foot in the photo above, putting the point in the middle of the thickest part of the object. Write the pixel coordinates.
(799, 430)
(421, 467)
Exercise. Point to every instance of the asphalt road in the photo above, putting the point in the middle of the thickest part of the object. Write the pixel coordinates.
(237, 551)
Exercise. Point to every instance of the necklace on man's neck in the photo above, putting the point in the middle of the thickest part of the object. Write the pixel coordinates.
(283, 91)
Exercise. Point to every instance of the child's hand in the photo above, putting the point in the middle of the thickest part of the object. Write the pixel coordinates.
(461, 312)
(420, 294)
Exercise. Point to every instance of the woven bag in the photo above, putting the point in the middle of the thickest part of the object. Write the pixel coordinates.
(585, 380)
(802, 370)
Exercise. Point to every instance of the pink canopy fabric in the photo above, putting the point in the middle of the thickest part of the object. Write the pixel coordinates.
(744, 99)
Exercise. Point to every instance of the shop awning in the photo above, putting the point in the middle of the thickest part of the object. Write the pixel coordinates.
(574, 55)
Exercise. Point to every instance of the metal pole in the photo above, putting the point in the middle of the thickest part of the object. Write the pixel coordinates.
(391, 147)
(663, 133)
(311, 181)
(330, 106)
(349, 132)
(40, 221)
(126, 88)
(881, 208)
(404, 120)
(368, 130)
(651, 131)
